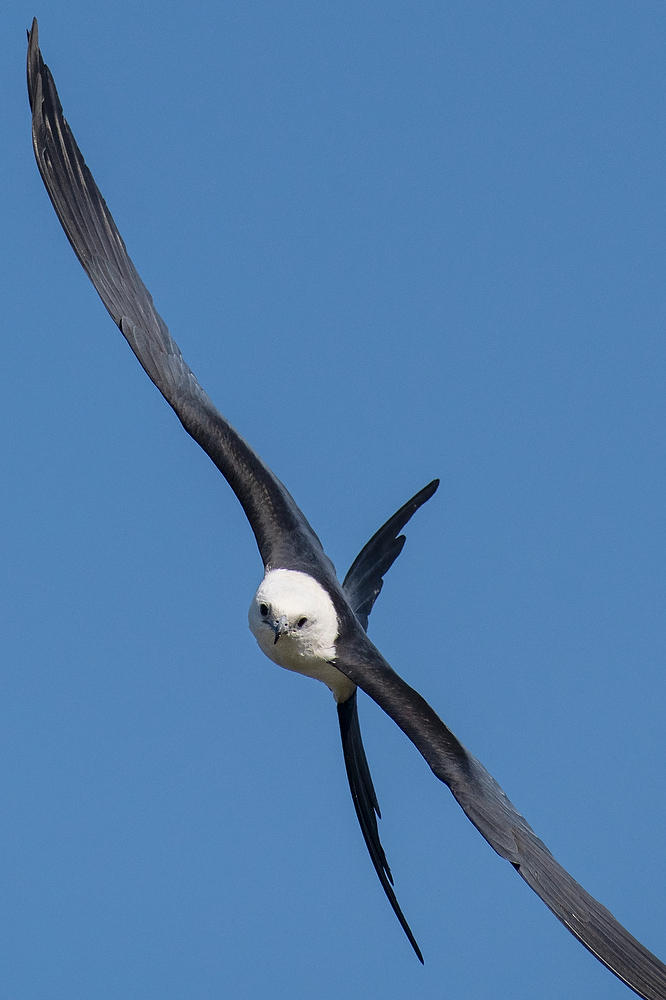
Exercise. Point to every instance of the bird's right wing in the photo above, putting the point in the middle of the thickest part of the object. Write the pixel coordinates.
(497, 819)
(282, 532)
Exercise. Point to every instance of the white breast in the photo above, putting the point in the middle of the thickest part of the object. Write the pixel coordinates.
(297, 609)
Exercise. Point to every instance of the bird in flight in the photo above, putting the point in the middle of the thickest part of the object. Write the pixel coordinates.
(301, 616)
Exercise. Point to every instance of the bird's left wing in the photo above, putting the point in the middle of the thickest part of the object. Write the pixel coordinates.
(497, 819)
(282, 532)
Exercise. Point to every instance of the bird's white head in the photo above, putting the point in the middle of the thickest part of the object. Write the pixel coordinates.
(292, 616)
(293, 619)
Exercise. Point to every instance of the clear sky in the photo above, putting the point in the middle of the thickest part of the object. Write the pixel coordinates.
(394, 240)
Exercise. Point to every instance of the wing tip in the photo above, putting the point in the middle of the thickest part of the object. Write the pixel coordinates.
(33, 61)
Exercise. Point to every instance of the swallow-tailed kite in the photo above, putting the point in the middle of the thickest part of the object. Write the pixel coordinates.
(301, 616)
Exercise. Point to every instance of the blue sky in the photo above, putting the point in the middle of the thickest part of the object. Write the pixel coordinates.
(394, 241)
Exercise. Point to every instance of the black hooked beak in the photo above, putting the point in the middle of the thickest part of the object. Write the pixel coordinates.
(280, 626)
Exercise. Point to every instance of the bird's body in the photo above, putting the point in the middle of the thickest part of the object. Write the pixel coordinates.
(302, 617)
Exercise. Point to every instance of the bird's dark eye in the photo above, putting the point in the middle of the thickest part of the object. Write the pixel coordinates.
(302, 622)
(263, 610)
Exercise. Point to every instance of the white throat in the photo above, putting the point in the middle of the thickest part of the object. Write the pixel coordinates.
(295, 623)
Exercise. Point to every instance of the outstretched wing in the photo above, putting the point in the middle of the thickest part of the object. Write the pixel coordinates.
(282, 532)
(497, 819)
(364, 579)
